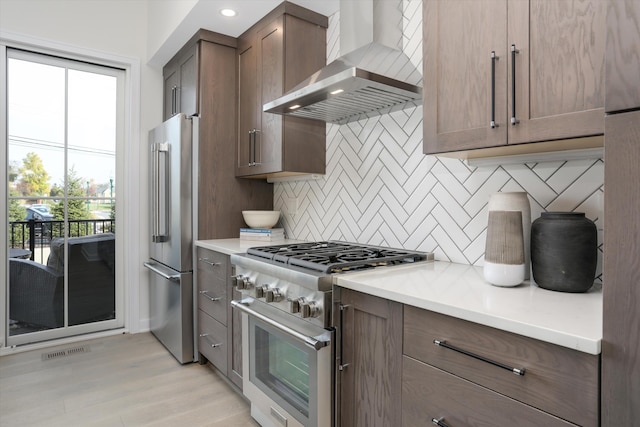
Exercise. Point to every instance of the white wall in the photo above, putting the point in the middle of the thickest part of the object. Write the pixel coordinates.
(106, 28)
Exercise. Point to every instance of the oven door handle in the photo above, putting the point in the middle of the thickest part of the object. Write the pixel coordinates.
(313, 342)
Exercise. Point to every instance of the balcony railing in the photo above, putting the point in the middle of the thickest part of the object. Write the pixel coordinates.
(36, 235)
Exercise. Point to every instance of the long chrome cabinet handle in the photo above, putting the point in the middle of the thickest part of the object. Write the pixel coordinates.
(439, 422)
(174, 90)
(251, 133)
(206, 294)
(494, 58)
(517, 371)
(514, 51)
(255, 145)
(313, 342)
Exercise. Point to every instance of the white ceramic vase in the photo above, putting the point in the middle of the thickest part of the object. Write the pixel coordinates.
(516, 201)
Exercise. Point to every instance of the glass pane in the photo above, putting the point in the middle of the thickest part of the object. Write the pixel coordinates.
(284, 368)
(92, 130)
(36, 97)
(91, 159)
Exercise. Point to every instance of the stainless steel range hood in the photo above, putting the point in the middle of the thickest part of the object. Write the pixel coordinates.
(375, 77)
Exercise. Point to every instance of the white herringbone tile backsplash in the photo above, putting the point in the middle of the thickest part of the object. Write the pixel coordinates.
(380, 189)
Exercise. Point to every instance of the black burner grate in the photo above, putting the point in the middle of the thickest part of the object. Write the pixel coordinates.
(335, 257)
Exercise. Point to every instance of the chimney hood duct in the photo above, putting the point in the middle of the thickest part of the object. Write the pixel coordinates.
(374, 77)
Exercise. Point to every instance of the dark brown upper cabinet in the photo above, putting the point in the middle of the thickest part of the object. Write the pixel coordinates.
(521, 72)
(277, 53)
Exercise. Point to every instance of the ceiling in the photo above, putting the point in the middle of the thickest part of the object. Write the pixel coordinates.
(206, 14)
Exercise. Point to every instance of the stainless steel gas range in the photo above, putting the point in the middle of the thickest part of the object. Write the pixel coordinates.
(287, 336)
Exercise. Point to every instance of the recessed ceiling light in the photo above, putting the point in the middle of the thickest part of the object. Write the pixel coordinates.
(228, 12)
(337, 91)
(293, 107)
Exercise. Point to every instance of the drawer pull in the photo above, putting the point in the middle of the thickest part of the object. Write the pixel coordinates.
(205, 293)
(213, 345)
(206, 261)
(439, 422)
(517, 371)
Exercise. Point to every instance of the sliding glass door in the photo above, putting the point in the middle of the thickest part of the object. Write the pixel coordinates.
(64, 121)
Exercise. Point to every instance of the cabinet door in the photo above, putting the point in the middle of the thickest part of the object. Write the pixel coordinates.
(268, 155)
(559, 84)
(370, 386)
(235, 341)
(458, 90)
(188, 90)
(622, 58)
(171, 82)
(248, 103)
(181, 84)
(621, 297)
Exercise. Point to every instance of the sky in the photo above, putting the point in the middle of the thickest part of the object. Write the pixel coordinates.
(37, 105)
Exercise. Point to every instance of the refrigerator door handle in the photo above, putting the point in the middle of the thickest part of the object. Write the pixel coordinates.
(152, 267)
(159, 192)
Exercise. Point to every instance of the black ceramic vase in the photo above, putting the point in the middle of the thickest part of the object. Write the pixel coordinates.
(564, 249)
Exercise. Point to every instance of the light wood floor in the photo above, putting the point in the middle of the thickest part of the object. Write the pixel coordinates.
(125, 380)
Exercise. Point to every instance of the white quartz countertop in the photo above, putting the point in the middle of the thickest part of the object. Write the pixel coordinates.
(237, 246)
(572, 320)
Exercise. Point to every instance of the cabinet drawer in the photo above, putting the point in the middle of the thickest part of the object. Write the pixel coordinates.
(556, 379)
(212, 264)
(429, 393)
(212, 340)
(212, 284)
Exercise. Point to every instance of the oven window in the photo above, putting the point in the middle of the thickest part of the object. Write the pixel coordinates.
(283, 367)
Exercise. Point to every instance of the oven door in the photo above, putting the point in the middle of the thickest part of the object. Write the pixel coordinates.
(288, 367)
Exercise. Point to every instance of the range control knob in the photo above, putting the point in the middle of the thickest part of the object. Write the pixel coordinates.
(241, 281)
(274, 295)
(261, 291)
(294, 304)
(309, 309)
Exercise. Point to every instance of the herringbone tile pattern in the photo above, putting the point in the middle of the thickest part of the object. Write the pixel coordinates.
(380, 189)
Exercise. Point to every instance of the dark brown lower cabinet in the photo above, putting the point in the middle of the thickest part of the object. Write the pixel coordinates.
(406, 366)
(370, 384)
(219, 327)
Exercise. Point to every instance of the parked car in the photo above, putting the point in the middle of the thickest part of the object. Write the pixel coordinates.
(41, 208)
(39, 216)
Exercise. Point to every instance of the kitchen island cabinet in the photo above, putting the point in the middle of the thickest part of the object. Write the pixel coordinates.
(221, 196)
(523, 71)
(274, 55)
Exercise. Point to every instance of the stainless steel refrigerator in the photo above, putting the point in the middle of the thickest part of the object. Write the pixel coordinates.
(172, 171)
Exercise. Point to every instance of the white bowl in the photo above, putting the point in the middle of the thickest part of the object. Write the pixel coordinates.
(261, 219)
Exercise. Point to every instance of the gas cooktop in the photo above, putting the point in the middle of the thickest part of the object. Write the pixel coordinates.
(336, 257)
